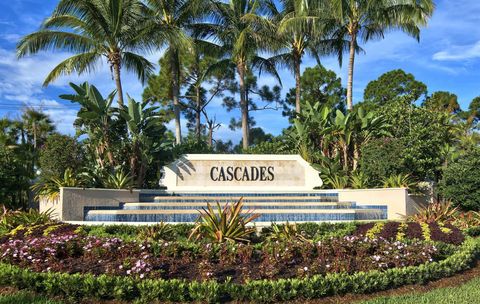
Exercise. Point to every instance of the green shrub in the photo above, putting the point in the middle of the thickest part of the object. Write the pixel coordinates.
(77, 286)
(128, 232)
(317, 231)
(461, 181)
(59, 153)
(381, 158)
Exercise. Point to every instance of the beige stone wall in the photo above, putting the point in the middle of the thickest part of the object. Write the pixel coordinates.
(396, 200)
(54, 206)
(73, 201)
(195, 172)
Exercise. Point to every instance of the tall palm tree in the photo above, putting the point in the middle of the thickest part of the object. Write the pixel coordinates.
(242, 32)
(93, 29)
(37, 124)
(169, 24)
(370, 19)
(301, 30)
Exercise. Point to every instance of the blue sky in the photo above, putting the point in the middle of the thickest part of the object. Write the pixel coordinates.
(447, 58)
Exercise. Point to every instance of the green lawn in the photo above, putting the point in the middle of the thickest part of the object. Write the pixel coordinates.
(464, 294)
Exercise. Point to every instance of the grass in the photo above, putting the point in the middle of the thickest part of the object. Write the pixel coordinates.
(467, 293)
(23, 297)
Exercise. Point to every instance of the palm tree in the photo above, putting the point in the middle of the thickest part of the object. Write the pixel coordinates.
(241, 31)
(369, 19)
(301, 29)
(93, 29)
(37, 124)
(169, 22)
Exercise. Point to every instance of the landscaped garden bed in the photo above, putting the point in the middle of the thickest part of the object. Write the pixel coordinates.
(65, 248)
(284, 262)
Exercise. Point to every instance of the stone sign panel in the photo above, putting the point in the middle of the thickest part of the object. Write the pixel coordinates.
(230, 172)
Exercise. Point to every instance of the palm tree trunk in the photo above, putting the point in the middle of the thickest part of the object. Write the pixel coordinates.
(118, 83)
(198, 113)
(243, 104)
(351, 63)
(210, 135)
(296, 69)
(176, 96)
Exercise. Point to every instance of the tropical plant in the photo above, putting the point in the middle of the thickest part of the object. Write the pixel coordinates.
(110, 29)
(358, 180)
(286, 232)
(367, 20)
(242, 33)
(224, 224)
(10, 219)
(49, 189)
(339, 181)
(436, 212)
(96, 119)
(157, 232)
(398, 181)
(118, 180)
(322, 132)
(466, 220)
(144, 125)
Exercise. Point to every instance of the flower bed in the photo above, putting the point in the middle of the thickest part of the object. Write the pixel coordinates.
(63, 248)
(446, 233)
(126, 288)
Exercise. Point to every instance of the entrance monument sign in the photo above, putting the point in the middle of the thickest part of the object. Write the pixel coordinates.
(230, 172)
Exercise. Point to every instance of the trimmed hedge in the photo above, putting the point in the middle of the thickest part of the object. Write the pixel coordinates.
(125, 288)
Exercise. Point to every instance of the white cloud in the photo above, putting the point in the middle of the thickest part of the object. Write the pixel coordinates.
(12, 38)
(459, 53)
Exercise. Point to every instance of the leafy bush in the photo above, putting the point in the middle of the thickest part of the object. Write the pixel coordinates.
(229, 225)
(319, 231)
(461, 181)
(59, 153)
(381, 158)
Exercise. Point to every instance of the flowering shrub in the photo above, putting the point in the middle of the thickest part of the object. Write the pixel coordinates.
(66, 249)
(437, 232)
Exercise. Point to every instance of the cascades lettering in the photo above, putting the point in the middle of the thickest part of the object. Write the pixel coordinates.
(261, 173)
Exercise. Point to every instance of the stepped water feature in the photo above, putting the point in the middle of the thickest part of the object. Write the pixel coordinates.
(314, 206)
(279, 188)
